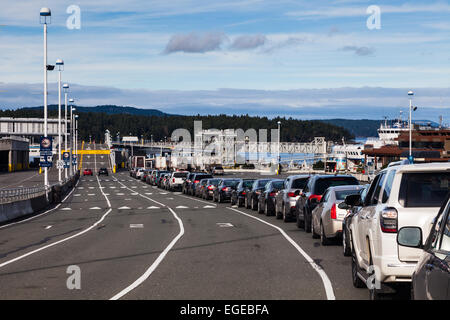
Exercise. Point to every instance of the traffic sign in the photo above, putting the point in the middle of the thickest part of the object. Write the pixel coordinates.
(60, 164)
(45, 146)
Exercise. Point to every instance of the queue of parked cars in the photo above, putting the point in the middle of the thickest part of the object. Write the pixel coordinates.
(395, 229)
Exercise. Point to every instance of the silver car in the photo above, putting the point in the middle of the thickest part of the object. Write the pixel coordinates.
(286, 199)
(327, 217)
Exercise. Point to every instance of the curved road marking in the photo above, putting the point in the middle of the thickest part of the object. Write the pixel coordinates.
(155, 264)
(326, 281)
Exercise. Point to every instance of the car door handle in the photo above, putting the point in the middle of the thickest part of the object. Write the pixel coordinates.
(429, 267)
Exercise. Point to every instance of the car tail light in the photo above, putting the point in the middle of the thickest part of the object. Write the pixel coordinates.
(272, 194)
(315, 196)
(244, 193)
(173, 180)
(226, 189)
(388, 220)
(333, 211)
(210, 187)
(196, 181)
(291, 194)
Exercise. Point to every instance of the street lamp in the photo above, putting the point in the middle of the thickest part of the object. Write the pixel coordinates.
(60, 65)
(411, 109)
(66, 90)
(278, 157)
(76, 141)
(45, 14)
(72, 109)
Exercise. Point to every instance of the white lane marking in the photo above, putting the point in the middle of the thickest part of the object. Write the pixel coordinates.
(91, 194)
(326, 281)
(224, 224)
(57, 242)
(133, 187)
(149, 193)
(209, 207)
(112, 187)
(181, 207)
(124, 208)
(80, 188)
(77, 195)
(163, 193)
(152, 207)
(136, 225)
(95, 208)
(48, 227)
(120, 194)
(134, 194)
(50, 210)
(169, 198)
(66, 209)
(91, 187)
(155, 264)
(209, 203)
(159, 203)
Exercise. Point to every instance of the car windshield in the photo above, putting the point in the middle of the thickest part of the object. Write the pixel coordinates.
(324, 183)
(203, 176)
(340, 195)
(424, 189)
(231, 183)
(218, 168)
(278, 184)
(299, 183)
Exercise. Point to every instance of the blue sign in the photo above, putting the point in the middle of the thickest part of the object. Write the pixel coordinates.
(46, 146)
(46, 161)
(66, 158)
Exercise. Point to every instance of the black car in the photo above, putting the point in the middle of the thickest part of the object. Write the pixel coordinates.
(312, 194)
(186, 182)
(103, 171)
(252, 194)
(224, 189)
(431, 278)
(195, 180)
(352, 212)
(158, 177)
(200, 187)
(238, 195)
(210, 186)
(266, 203)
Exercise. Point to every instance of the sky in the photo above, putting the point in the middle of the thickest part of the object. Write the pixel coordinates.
(306, 59)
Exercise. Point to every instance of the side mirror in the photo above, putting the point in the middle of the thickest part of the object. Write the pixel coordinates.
(410, 237)
(343, 205)
(353, 200)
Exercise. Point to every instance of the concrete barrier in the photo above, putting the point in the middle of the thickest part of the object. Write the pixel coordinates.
(14, 210)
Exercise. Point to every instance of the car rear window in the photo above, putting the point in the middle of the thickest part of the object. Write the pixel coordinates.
(340, 195)
(323, 184)
(179, 175)
(299, 183)
(424, 189)
(278, 184)
(262, 183)
(214, 182)
(231, 183)
(247, 183)
(203, 176)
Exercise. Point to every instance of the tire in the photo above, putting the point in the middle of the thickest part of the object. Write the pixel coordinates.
(323, 238)
(346, 248)
(266, 210)
(260, 210)
(233, 202)
(278, 215)
(300, 223)
(253, 206)
(307, 223)
(357, 282)
(239, 203)
(285, 216)
(220, 200)
(313, 231)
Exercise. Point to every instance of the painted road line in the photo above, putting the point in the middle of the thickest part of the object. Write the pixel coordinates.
(159, 203)
(155, 264)
(136, 226)
(326, 281)
(209, 203)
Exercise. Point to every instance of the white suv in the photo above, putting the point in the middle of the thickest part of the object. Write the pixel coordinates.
(176, 179)
(399, 196)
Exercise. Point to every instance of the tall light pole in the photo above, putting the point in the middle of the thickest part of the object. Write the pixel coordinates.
(410, 94)
(278, 156)
(76, 142)
(60, 65)
(71, 101)
(73, 136)
(45, 14)
(66, 90)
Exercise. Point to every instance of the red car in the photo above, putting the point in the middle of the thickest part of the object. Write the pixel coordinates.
(87, 172)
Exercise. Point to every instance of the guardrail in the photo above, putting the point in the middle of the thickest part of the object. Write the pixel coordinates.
(25, 193)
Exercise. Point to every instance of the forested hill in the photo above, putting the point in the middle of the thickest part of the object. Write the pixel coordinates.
(109, 109)
(358, 128)
(95, 124)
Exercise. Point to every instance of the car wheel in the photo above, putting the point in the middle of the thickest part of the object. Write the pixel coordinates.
(239, 203)
(307, 222)
(286, 217)
(254, 205)
(300, 223)
(357, 282)
(266, 210)
(313, 231)
(220, 200)
(260, 209)
(346, 247)
(247, 204)
(323, 238)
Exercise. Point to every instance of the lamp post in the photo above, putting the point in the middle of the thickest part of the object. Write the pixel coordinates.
(66, 90)
(45, 14)
(278, 156)
(60, 65)
(76, 142)
(71, 101)
(410, 94)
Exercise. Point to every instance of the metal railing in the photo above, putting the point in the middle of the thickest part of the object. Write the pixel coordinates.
(18, 194)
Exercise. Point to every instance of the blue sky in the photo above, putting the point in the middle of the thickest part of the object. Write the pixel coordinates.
(149, 49)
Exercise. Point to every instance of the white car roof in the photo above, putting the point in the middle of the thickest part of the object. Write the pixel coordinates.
(346, 187)
(423, 167)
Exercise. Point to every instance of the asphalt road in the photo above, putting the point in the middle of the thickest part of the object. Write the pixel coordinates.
(133, 241)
